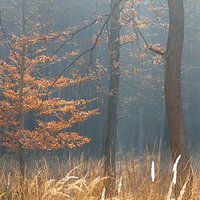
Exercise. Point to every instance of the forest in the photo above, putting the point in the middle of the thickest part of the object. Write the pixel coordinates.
(99, 100)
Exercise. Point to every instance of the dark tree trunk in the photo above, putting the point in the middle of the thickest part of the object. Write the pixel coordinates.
(111, 125)
(177, 131)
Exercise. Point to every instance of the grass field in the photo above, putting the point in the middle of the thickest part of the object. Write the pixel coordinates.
(82, 179)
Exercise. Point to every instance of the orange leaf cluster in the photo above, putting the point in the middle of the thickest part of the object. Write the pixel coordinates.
(24, 91)
(42, 140)
(128, 38)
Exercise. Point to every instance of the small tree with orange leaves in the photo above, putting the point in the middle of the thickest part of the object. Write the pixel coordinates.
(25, 89)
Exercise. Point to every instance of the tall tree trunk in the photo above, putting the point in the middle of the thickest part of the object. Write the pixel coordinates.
(111, 125)
(21, 88)
(177, 131)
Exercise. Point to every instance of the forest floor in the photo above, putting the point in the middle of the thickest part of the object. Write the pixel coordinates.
(82, 179)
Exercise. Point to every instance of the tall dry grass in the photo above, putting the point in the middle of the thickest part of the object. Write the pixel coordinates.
(82, 179)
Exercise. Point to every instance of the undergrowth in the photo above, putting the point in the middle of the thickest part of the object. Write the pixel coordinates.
(82, 179)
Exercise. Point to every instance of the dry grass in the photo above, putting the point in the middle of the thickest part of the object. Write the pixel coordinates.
(83, 180)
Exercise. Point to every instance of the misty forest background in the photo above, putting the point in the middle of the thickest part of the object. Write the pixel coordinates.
(141, 117)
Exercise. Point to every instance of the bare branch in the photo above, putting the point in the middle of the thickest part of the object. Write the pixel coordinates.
(90, 50)
(8, 43)
(156, 50)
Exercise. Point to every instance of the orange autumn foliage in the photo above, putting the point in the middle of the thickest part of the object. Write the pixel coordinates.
(24, 89)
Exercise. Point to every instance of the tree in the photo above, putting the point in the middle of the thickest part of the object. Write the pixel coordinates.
(113, 96)
(177, 130)
(26, 89)
(172, 57)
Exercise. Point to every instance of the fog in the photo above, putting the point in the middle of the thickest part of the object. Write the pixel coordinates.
(141, 108)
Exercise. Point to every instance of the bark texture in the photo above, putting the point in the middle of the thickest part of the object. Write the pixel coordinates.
(177, 130)
(111, 125)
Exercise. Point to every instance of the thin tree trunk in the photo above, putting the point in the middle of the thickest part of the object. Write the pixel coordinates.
(177, 131)
(111, 125)
(21, 87)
